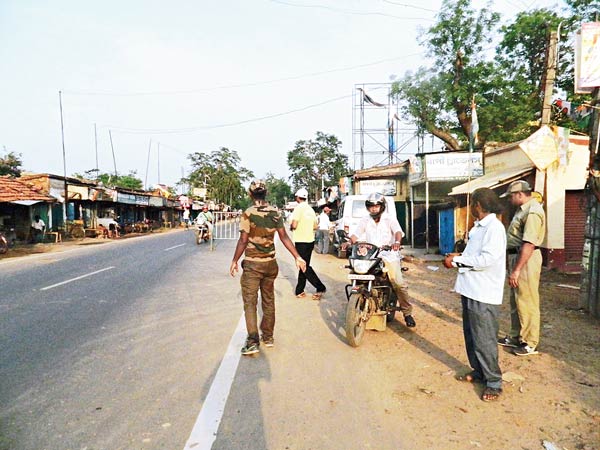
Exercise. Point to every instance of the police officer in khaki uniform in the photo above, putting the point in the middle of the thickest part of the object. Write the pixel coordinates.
(524, 236)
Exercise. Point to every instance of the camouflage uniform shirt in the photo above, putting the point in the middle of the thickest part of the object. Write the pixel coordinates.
(261, 223)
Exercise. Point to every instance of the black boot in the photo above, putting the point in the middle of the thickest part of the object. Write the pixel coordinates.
(410, 322)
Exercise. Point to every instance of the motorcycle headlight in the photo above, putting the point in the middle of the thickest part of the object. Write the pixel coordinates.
(361, 266)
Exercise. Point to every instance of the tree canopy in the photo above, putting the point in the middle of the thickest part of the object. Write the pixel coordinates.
(222, 174)
(278, 190)
(129, 181)
(10, 164)
(317, 162)
(507, 88)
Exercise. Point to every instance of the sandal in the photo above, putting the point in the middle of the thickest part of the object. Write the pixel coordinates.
(301, 295)
(470, 377)
(491, 394)
(317, 295)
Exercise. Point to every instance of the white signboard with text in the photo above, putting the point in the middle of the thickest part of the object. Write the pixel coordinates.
(453, 165)
(385, 186)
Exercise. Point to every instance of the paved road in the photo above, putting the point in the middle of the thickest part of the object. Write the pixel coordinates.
(117, 346)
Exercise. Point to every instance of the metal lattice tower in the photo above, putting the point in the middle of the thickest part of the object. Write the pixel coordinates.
(374, 143)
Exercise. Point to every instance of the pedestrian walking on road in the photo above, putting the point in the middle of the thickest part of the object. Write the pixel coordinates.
(303, 226)
(480, 282)
(323, 231)
(524, 236)
(258, 226)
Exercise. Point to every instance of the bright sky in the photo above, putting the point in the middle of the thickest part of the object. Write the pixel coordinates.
(181, 73)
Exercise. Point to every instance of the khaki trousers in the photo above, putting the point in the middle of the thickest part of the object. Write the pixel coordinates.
(394, 270)
(525, 300)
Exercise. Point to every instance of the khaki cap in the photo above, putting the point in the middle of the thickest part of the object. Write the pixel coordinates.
(517, 186)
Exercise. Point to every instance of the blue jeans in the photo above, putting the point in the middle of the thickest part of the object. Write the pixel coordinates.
(322, 237)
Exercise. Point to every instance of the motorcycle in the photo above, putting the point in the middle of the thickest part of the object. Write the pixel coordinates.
(201, 230)
(371, 297)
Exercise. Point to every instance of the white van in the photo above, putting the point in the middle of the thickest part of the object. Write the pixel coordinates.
(351, 209)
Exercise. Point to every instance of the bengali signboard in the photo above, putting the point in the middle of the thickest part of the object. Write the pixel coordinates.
(587, 58)
(383, 186)
(444, 166)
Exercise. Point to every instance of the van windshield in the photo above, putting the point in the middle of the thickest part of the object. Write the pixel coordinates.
(358, 209)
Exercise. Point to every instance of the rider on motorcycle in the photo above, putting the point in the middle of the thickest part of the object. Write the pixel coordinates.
(379, 228)
(208, 218)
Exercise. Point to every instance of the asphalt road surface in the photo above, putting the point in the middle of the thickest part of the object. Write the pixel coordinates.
(134, 344)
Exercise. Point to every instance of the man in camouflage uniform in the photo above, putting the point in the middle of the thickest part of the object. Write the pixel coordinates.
(524, 236)
(258, 225)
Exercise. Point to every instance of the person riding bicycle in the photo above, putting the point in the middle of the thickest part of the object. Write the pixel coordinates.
(379, 228)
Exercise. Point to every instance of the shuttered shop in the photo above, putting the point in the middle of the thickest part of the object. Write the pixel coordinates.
(575, 217)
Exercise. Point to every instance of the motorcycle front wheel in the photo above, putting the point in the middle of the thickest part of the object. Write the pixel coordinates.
(3, 246)
(355, 326)
(199, 238)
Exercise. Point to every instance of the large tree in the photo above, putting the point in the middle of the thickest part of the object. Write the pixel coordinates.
(439, 99)
(317, 163)
(10, 164)
(278, 190)
(222, 174)
(129, 181)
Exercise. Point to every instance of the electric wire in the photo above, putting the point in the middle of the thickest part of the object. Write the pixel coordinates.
(356, 13)
(223, 125)
(241, 85)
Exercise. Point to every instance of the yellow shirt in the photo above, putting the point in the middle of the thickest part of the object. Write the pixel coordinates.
(306, 218)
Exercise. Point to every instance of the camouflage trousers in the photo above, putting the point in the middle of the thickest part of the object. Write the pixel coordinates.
(259, 276)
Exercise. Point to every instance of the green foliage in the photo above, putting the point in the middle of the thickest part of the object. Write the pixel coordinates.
(317, 162)
(10, 164)
(223, 176)
(507, 88)
(129, 181)
(439, 99)
(278, 190)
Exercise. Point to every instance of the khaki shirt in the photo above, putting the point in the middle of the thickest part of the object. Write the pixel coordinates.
(527, 225)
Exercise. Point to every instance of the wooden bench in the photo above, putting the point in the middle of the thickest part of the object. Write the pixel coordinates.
(92, 232)
(55, 235)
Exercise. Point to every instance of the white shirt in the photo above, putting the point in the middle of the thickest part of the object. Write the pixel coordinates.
(380, 233)
(39, 225)
(324, 221)
(486, 254)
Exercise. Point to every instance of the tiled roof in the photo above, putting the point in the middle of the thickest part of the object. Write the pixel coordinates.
(11, 189)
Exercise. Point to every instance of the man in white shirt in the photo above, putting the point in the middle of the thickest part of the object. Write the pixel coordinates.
(38, 227)
(323, 231)
(480, 282)
(379, 228)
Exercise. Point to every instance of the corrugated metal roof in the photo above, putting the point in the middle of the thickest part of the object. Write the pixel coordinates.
(11, 189)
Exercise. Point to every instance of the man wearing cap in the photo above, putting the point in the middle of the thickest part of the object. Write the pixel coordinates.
(323, 231)
(258, 225)
(524, 236)
(304, 224)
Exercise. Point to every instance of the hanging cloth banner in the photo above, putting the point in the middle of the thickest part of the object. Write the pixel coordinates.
(368, 99)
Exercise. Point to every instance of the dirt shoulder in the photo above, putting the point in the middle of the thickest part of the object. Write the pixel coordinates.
(553, 396)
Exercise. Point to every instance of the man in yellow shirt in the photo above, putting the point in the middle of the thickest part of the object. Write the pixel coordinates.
(304, 223)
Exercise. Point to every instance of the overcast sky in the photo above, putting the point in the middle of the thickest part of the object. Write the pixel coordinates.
(181, 73)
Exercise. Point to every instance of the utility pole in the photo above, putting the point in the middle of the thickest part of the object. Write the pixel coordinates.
(590, 276)
(549, 77)
(62, 134)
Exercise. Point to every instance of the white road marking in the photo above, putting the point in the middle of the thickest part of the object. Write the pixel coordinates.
(204, 433)
(76, 278)
(171, 248)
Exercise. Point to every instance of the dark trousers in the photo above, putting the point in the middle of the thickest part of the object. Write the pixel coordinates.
(480, 327)
(259, 275)
(305, 250)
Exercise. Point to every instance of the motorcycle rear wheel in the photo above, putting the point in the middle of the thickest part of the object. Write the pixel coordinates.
(355, 326)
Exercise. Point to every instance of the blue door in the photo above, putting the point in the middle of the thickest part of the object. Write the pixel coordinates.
(446, 231)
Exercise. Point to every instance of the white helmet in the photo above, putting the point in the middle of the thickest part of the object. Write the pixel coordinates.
(302, 193)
